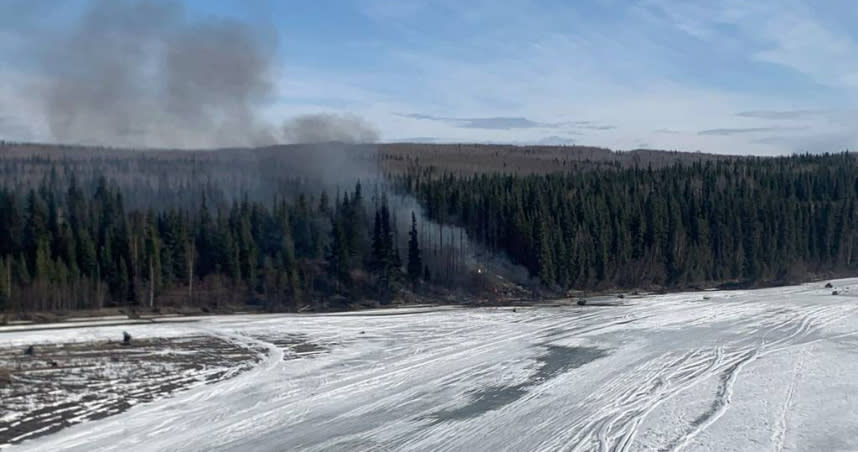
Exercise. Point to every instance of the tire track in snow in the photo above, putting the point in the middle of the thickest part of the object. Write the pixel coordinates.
(722, 401)
(779, 432)
(537, 328)
(616, 428)
(456, 352)
(809, 322)
(405, 366)
(291, 401)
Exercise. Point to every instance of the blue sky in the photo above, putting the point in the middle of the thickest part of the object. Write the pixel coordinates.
(723, 76)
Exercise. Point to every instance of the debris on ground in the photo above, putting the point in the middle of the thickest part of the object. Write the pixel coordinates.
(582, 302)
(69, 383)
(828, 285)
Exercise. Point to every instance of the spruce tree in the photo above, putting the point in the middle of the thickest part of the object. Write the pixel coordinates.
(415, 264)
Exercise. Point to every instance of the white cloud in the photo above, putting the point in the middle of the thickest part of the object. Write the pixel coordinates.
(617, 82)
(804, 45)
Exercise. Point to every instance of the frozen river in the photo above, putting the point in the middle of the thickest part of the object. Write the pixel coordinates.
(772, 369)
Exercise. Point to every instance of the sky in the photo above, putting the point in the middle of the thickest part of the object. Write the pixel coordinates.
(719, 76)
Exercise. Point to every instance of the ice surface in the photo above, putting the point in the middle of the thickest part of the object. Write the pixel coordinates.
(771, 369)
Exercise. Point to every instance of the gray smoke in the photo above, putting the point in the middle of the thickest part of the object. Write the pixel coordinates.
(337, 151)
(325, 128)
(139, 73)
(449, 249)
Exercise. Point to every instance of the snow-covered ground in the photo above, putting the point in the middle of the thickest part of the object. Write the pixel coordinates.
(771, 369)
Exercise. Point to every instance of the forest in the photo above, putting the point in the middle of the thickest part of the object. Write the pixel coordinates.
(143, 239)
(749, 221)
(67, 250)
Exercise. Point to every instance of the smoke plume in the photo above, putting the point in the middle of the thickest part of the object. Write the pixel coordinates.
(324, 128)
(139, 73)
(337, 152)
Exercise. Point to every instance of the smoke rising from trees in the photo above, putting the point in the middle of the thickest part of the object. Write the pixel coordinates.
(141, 73)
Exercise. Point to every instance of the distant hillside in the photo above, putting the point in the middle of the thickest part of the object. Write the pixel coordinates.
(480, 158)
(392, 157)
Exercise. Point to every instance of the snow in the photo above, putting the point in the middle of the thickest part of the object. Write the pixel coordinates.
(741, 370)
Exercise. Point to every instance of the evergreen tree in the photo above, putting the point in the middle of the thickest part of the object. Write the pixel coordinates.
(71, 242)
(415, 264)
(338, 255)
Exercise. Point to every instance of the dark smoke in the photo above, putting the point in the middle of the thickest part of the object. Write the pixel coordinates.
(139, 73)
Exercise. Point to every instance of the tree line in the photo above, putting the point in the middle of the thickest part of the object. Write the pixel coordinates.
(69, 243)
(749, 220)
(73, 248)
